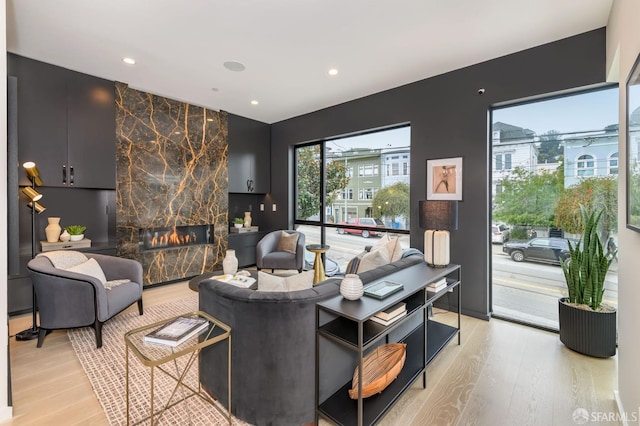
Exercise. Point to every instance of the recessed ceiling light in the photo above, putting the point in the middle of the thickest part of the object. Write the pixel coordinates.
(234, 66)
(254, 102)
(333, 71)
(215, 89)
(129, 61)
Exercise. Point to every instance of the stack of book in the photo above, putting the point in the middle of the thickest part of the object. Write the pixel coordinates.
(436, 286)
(390, 315)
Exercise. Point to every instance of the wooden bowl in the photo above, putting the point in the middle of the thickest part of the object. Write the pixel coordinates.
(380, 368)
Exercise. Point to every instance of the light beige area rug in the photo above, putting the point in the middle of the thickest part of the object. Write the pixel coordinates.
(105, 368)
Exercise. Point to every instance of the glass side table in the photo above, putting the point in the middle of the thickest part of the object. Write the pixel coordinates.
(155, 356)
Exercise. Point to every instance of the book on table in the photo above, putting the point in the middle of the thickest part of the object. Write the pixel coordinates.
(177, 331)
(237, 280)
(437, 285)
(389, 321)
(392, 311)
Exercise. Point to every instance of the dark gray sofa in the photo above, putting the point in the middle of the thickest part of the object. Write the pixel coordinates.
(273, 347)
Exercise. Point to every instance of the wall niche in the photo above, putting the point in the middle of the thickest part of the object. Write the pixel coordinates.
(171, 173)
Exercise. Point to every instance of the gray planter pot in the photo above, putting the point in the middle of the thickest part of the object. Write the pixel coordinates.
(588, 332)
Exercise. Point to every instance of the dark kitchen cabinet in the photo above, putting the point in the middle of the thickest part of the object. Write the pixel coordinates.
(249, 155)
(66, 125)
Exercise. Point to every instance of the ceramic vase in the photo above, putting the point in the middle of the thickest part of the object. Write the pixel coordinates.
(230, 263)
(351, 287)
(65, 236)
(247, 219)
(53, 229)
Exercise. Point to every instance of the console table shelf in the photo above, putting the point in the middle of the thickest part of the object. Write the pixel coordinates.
(344, 335)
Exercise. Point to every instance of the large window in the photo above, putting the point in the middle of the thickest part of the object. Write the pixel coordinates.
(548, 157)
(361, 181)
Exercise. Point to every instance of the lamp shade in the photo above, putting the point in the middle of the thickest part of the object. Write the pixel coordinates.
(439, 215)
(32, 172)
(31, 193)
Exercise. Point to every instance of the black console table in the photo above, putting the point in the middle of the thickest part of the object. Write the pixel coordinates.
(345, 334)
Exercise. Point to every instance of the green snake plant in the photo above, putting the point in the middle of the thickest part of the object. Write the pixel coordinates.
(587, 266)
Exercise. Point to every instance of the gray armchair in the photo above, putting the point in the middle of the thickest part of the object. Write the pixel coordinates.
(69, 299)
(267, 255)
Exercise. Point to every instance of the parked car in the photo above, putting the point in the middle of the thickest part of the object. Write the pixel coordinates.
(499, 233)
(362, 221)
(543, 249)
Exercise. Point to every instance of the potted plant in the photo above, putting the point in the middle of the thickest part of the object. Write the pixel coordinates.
(586, 324)
(76, 232)
(238, 222)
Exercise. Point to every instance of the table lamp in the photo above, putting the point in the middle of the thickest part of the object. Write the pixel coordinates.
(438, 218)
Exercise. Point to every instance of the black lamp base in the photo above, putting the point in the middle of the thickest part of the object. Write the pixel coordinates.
(28, 334)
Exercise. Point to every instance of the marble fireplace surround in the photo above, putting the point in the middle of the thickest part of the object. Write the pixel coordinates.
(171, 171)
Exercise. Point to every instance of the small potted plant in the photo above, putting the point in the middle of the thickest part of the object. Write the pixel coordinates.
(76, 232)
(238, 222)
(586, 324)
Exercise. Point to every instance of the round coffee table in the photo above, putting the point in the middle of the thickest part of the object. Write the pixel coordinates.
(193, 282)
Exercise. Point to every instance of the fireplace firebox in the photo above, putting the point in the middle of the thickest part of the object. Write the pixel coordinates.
(175, 236)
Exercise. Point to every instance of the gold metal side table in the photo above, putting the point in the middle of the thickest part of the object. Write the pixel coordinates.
(318, 267)
(154, 356)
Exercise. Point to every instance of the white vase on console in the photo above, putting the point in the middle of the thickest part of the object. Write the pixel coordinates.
(351, 287)
(230, 263)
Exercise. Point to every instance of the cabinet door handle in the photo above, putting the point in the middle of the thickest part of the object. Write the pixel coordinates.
(70, 175)
(64, 174)
(250, 185)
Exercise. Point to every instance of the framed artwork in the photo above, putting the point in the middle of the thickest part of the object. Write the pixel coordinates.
(444, 179)
(633, 145)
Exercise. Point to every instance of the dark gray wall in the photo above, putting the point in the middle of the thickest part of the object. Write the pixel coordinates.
(448, 119)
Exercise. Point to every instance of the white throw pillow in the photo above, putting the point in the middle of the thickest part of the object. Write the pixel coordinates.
(268, 282)
(91, 268)
(391, 244)
(373, 259)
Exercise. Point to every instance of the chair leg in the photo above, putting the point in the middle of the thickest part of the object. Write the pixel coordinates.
(300, 270)
(272, 270)
(42, 333)
(97, 326)
(140, 311)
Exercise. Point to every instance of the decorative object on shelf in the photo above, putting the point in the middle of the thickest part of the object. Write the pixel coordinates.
(379, 368)
(586, 324)
(53, 229)
(65, 236)
(247, 219)
(633, 138)
(238, 222)
(438, 218)
(351, 287)
(76, 232)
(34, 176)
(382, 289)
(230, 263)
(444, 179)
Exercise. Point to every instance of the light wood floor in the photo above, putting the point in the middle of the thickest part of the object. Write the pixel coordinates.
(501, 374)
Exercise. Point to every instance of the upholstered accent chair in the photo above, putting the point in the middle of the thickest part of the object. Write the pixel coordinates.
(273, 252)
(76, 293)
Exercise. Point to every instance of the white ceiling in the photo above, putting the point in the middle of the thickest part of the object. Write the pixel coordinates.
(287, 46)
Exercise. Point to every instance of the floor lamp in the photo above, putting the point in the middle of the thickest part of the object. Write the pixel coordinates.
(36, 208)
(438, 218)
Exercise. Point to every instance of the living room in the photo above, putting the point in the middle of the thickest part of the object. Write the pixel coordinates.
(449, 118)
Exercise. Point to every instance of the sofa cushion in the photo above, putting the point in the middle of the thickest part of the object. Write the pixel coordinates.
(391, 244)
(288, 242)
(374, 259)
(268, 282)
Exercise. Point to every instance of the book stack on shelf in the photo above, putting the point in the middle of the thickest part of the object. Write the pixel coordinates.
(436, 286)
(390, 315)
(177, 331)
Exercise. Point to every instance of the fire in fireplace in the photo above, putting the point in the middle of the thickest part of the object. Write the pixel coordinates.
(176, 236)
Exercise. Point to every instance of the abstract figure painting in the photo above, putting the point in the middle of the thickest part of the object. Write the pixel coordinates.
(444, 179)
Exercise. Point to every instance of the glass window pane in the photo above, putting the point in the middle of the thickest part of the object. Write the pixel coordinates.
(308, 182)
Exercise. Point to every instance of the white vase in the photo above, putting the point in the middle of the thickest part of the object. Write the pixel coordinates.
(351, 287)
(65, 236)
(230, 263)
(247, 219)
(53, 229)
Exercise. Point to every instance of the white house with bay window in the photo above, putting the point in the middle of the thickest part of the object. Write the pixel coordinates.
(512, 147)
(590, 155)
